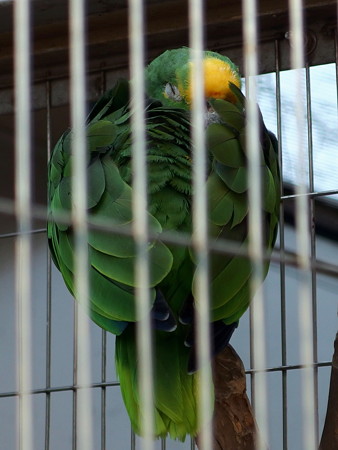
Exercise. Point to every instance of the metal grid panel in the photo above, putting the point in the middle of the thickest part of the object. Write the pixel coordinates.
(309, 268)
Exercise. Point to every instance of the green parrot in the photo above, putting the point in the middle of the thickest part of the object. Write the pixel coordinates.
(172, 267)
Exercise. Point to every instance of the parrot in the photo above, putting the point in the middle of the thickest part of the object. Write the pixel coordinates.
(172, 284)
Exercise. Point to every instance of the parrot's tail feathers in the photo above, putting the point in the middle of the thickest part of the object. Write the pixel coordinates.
(174, 390)
(220, 337)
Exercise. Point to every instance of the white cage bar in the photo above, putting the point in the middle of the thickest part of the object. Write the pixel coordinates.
(255, 247)
(140, 221)
(82, 404)
(200, 221)
(310, 438)
(23, 201)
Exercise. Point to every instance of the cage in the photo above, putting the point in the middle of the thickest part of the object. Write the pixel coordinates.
(40, 332)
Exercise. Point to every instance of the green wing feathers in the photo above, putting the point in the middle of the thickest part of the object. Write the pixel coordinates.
(111, 255)
(228, 205)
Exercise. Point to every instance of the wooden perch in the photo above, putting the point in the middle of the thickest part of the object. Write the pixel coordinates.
(233, 422)
(234, 425)
(330, 432)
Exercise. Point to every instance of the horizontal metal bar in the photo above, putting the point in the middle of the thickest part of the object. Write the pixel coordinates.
(218, 246)
(19, 233)
(7, 206)
(72, 387)
(311, 194)
(290, 367)
(107, 384)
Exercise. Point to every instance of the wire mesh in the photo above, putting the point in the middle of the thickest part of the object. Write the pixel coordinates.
(305, 257)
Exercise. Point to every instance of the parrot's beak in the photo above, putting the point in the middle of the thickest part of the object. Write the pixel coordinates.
(209, 107)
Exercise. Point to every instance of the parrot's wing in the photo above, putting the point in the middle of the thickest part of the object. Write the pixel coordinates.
(228, 204)
(111, 249)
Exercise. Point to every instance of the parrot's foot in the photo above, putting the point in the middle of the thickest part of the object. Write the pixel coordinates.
(220, 335)
(162, 314)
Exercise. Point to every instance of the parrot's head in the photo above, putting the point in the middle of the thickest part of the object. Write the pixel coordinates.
(169, 77)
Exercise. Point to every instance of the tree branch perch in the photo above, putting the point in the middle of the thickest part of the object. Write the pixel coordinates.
(330, 432)
(234, 426)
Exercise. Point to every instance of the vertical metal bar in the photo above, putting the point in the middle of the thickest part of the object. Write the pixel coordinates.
(132, 440)
(75, 382)
(140, 221)
(103, 389)
(282, 250)
(255, 247)
(49, 288)
(23, 200)
(103, 346)
(79, 220)
(312, 248)
(336, 55)
(303, 235)
(200, 223)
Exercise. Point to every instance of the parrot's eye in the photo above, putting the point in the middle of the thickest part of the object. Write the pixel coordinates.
(171, 91)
